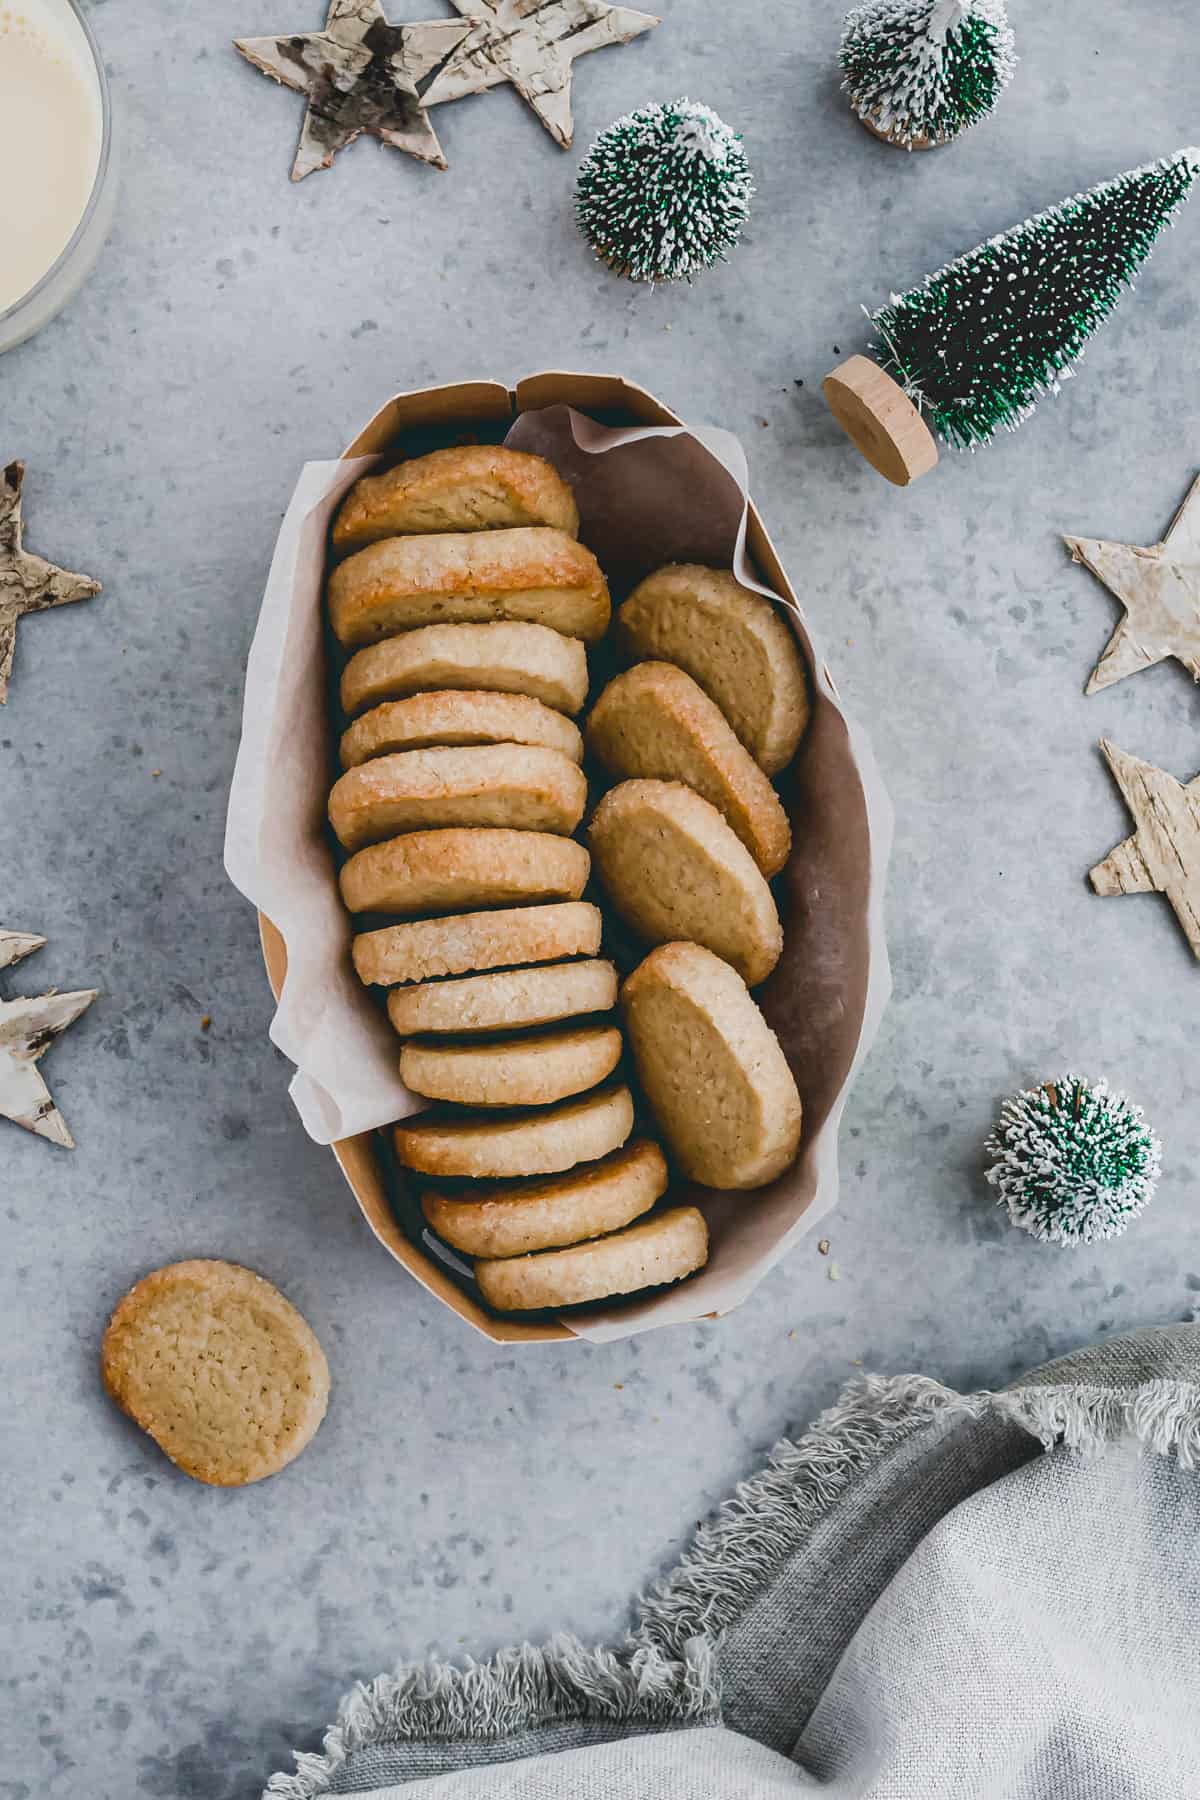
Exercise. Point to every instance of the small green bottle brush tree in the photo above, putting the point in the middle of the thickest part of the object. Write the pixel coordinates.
(976, 345)
(919, 72)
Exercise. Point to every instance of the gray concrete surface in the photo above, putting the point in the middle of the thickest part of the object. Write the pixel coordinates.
(165, 1639)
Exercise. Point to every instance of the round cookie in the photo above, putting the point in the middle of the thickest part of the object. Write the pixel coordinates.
(219, 1368)
(462, 868)
(663, 1248)
(589, 1201)
(654, 720)
(453, 717)
(471, 487)
(540, 1143)
(505, 999)
(533, 573)
(520, 786)
(736, 644)
(673, 869)
(504, 939)
(713, 1070)
(523, 1071)
(505, 657)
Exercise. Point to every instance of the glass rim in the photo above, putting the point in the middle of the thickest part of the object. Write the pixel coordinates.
(98, 183)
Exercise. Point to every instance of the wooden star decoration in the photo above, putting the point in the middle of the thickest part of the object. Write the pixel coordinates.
(27, 1029)
(360, 74)
(27, 583)
(533, 44)
(1163, 855)
(1159, 588)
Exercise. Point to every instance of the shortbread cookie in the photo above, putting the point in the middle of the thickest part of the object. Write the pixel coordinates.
(219, 1368)
(540, 1143)
(505, 657)
(505, 999)
(475, 487)
(736, 644)
(663, 1248)
(522, 1071)
(673, 869)
(520, 786)
(591, 1200)
(457, 870)
(453, 717)
(479, 940)
(712, 1068)
(533, 573)
(655, 720)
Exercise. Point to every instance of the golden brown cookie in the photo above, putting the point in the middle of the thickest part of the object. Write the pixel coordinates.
(458, 717)
(472, 487)
(505, 657)
(673, 869)
(520, 786)
(713, 1070)
(505, 939)
(589, 1201)
(467, 577)
(663, 1248)
(736, 644)
(540, 1143)
(219, 1368)
(505, 999)
(532, 1070)
(654, 720)
(461, 868)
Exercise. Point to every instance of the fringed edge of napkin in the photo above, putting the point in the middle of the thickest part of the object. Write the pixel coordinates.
(519, 1689)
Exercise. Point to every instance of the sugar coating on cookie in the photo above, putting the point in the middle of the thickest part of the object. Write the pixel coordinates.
(512, 1071)
(655, 721)
(505, 999)
(521, 786)
(736, 644)
(470, 487)
(452, 717)
(534, 573)
(461, 868)
(546, 1142)
(589, 1201)
(218, 1368)
(503, 657)
(673, 868)
(713, 1070)
(663, 1248)
(423, 948)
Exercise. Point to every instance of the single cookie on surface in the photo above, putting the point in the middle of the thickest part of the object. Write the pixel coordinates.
(524, 1071)
(713, 1070)
(736, 644)
(540, 1143)
(654, 720)
(219, 1368)
(462, 868)
(505, 657)
(473, 487)
(506, 999)
(451, 718)
(664, 1248)
(466, 577)
(520, 786)
(673, 869)
(590, 1201)
(479, 940)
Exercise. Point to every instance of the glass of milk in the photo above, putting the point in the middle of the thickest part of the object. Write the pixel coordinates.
(57, 171)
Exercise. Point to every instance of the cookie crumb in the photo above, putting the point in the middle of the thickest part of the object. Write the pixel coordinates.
(823, 1247)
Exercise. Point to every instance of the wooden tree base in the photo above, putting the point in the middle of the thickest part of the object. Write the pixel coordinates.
(887, 137)
(880, 420)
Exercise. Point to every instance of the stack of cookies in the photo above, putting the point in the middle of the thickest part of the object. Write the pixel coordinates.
(466, 603)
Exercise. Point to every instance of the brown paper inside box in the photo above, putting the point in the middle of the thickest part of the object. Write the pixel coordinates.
(650, 492)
